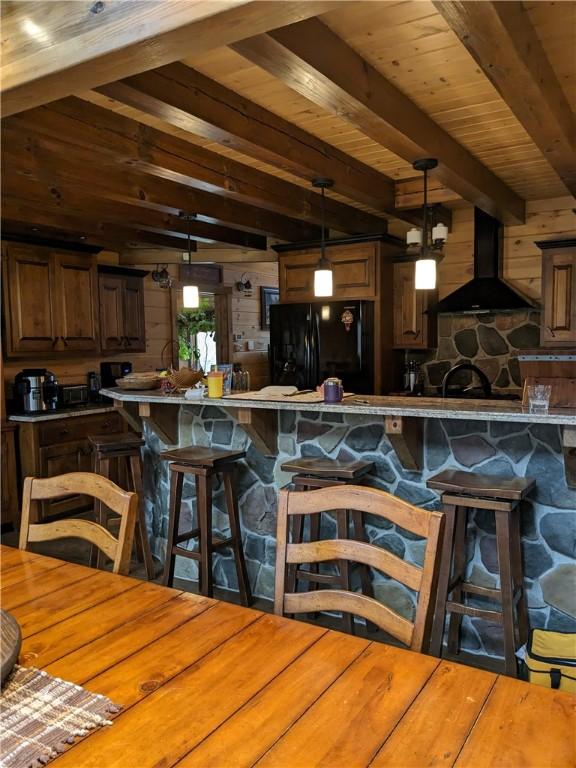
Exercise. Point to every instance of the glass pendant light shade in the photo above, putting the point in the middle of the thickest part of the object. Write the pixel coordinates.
(414, 236)
(191, 297)
(323, 277)
(190, 293)
(323, 282)
(425, 277)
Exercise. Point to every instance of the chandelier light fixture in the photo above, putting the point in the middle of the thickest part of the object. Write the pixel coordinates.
(427, 242)
(323, 275)
(190, 293)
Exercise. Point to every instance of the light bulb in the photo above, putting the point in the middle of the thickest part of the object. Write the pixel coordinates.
(191, 297)
(323, 282)
(425, 275)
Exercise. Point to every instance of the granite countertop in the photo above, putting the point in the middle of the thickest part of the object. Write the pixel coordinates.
(63, 414)
(421, 407)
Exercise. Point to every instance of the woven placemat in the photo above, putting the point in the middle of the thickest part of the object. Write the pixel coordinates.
(40, 715)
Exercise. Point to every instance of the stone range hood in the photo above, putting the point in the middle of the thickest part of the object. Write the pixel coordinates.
(487, 292)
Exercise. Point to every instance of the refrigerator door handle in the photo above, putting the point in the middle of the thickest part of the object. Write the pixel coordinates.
(315, 351)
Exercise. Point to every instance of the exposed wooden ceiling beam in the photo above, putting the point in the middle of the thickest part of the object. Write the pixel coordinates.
(59, 48)
(76, 230)
(140, 256)
(503, 42)
(40, 206)
(318, 64)
(59, 168)
(106, 134)
(183, 97)
(32, 233)
(410, 193)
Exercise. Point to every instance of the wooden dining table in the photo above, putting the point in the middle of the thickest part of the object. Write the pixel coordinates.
(206, 683)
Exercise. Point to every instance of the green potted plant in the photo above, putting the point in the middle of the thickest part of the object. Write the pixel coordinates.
(191, 322)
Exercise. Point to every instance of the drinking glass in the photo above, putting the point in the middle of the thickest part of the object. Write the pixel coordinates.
(226, 370)
(539, 398)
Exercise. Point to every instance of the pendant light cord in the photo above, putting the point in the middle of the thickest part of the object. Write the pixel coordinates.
(323, 248)
(425, 232)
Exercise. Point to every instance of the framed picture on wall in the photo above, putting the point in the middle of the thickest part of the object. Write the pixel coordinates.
(268, 296)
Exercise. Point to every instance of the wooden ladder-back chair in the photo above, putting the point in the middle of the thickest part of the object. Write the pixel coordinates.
(123, 503)
(418, 521)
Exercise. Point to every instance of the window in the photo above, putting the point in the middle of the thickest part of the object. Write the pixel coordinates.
(196, 335)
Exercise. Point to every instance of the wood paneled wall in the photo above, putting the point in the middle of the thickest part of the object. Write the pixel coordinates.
(545, 220)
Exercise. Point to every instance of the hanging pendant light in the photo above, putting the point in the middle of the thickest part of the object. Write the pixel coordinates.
(323, 275)
(423, 241)
(190, 293)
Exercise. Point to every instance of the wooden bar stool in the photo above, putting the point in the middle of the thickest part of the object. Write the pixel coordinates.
(462, 491)
(117, 457)
(203, 463)
(312, 473)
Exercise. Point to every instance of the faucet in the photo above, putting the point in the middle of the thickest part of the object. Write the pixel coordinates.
(486, 386)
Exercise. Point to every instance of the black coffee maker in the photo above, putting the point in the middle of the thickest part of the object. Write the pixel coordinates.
(110, 371)
(35, 390)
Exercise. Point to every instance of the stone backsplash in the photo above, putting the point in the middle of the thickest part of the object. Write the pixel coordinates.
(489, 341)
(498, 448)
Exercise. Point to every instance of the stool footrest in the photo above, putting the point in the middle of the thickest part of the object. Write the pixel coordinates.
(478, 613)
(474, 589)
(475, 502)
(187, 536)
(216, 543)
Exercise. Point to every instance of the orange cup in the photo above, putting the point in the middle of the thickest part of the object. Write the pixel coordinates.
(215, 384)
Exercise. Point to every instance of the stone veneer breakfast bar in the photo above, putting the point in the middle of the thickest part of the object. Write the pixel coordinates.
(408, 439)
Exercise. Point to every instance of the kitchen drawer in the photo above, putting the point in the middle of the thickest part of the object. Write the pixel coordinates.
(78, 428)
(73, 456)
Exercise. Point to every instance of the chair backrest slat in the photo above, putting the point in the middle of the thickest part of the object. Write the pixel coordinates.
(123, 503)
(365, 499)
(361, 605)
(421, 522)
(358, 552)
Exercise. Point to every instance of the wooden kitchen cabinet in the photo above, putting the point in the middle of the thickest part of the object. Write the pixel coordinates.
(122, 325)
(558, 328)
(413, 327)
(56, 446)
(10, 501)
(50, 301)
(363, 270)
(354, 266)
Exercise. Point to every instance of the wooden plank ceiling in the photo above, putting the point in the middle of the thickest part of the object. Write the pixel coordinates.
(228, 110)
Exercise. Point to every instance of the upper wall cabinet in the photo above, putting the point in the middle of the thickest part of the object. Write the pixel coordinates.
(354, 266)
(122, 313)
(558, 293)
(413, 327)
(50, 301)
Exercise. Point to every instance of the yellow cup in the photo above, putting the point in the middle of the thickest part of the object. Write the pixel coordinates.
(215, 384)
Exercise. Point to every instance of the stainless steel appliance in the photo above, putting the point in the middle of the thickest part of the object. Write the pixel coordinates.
(35, 389)
(72, 394)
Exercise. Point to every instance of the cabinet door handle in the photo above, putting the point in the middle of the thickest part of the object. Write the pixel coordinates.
(64, 341)
(63, 432)
(127, 341)
(551, 332)
(55, 341)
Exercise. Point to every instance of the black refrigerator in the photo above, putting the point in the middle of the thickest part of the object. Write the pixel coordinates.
(311, 342)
